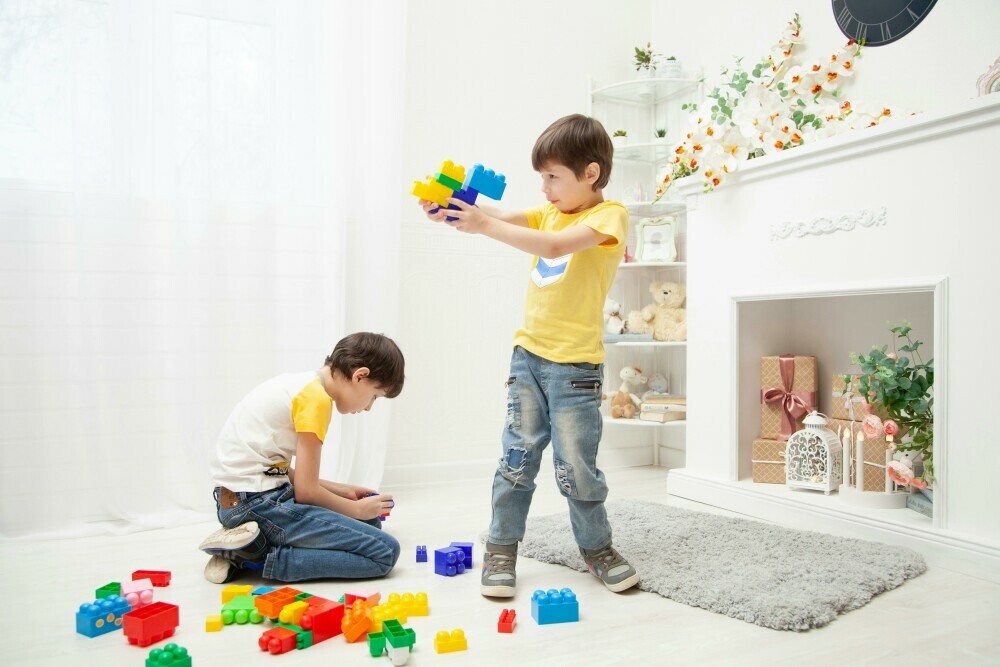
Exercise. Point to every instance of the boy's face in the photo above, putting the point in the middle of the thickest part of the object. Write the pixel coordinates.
(565, 191)
(358, 394)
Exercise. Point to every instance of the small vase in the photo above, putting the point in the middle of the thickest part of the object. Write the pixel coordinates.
(671, 69)
(650, 72)
(619, 141)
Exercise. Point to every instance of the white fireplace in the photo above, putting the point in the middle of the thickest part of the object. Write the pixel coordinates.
(811, 252)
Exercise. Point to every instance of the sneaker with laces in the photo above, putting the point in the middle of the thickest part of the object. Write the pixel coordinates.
(499, 579)
(232, 550)
(608, 565)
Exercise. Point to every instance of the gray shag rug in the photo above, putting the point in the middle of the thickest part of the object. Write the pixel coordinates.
(758, 572)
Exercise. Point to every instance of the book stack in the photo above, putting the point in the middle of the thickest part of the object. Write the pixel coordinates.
(663, 408)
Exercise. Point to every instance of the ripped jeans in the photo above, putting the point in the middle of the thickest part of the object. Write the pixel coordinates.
(549, 401)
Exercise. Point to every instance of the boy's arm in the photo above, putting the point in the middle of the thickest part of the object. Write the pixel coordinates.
(474, 220)
(309, 489)
(517, 218)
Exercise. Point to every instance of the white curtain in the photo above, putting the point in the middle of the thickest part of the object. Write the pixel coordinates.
(194, 196)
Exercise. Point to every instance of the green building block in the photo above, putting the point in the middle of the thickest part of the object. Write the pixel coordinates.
(376, 643)
(397, 635)
(241, 610)
(304, 638)
(448, 181)
(170, 655)
(107, 590)
(303, 596)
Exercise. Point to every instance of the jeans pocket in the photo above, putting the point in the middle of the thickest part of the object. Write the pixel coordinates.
(513, 404)
(591, 385)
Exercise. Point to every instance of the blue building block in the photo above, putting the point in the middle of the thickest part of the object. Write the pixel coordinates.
(468, 195)
(467, 548)
(485, 181)
(422, 554)
(101, 616)
(449, 561)
(554, 607)
(263, 589)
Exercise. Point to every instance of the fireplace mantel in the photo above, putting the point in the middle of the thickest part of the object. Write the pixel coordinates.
(911, 205)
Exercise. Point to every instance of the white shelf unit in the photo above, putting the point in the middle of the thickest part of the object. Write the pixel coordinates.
(640, 106)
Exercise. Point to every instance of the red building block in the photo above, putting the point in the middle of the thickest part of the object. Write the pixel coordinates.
(148, 625)
(158, 577)
(507, 620)
(323, 618)
(278, 640)
(271, 604)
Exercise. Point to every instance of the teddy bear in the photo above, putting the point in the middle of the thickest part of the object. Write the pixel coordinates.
(624, 403)
(613, 322)
(666, 319)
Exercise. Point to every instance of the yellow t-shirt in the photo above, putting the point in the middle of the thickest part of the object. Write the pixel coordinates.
(564, 307)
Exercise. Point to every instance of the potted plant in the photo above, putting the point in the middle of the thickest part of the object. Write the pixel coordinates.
(670, 67)
(645, 60)
(661, 134)
(619, 137)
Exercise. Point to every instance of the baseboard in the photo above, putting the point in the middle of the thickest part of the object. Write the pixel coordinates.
(938, 547)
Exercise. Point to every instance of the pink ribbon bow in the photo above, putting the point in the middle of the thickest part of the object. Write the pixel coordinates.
(794, 404)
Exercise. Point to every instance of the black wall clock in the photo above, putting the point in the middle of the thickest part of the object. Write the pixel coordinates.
(878, 22)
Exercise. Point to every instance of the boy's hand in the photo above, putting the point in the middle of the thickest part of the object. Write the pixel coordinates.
(373, 506)
(357, 492)
(428, 206)
(470, 219)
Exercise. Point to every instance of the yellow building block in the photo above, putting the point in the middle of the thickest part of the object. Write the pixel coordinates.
(413, 604)
(452, 170)
(390, 609)
(213, 623)
(293, 612)
(445, 642)
(432, 191)
(231, 591)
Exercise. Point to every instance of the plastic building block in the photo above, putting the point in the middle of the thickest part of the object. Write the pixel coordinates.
(394, 640)
(467, 548)
(303, 638)
(432, 191)
(170, 655)
(554, 607)
(138, 592)
(323, 618)
(376, 644)
(271, 604)
(486, 182)
(293, 612)
(450, 170)
(213, 623)
(370, 597)
(263, 589)
(421, 555)
(303, 596)
(356, 623)
(148, 625)
(277, 640)
(449, 561)
(508, 617)
(390, 609)
(158, 577)
(101, 616)
(107, 590)
(446, 642)
(241, 610)
(413, 604)
(233, 590)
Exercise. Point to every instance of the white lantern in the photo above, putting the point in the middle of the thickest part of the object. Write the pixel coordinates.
(814, 456)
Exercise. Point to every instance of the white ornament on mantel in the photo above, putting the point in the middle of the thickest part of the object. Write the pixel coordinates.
(886, 500)
(824, 225)
(814, 457)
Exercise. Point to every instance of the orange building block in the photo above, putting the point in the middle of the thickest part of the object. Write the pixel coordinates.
(356, 623)
(271, 604)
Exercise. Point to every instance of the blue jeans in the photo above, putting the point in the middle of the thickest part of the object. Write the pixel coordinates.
(308, 542)
(548, 401)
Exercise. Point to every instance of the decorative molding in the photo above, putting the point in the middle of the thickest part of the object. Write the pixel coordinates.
(990, 81)
(824, 225)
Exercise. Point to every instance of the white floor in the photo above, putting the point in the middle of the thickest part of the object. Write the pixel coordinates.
(939, 618)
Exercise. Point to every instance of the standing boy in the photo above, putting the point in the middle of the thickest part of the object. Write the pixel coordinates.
(557, 368)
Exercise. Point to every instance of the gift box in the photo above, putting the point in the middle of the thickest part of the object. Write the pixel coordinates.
(787, 394)
(875, 448)
(768, 457)
(848, 404)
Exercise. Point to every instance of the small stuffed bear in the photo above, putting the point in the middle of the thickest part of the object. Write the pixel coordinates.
(624, 403)
(613, 322)
(666, 319)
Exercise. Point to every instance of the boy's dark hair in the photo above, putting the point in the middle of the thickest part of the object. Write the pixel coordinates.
(574, 142)
(378, 353)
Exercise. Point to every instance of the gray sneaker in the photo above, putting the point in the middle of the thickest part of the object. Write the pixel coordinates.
(499, 578)
(608, 565)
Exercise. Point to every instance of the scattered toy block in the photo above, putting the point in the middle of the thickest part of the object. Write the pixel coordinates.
(449, 561)
(277, 640)
(241, 610)
(554, 606)
(263, 589)
(150, 624)
(508, 618)
(170, 655)
(270, 604)
(467, 548)
(399, 642)
(323, 618)
(421, 555)
(107, 590)
(390, 609)
(213, 623)
(370, 597)
(445, 642)
(158, 577)
(138, 592)
(356, 623)
(293, 612)
(303, 638)
(413, 604)
(233, 590)
(101, 616)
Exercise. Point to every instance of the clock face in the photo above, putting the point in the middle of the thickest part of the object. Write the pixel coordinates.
(878, 22)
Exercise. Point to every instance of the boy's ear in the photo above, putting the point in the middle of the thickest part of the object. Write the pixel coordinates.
(360, 374)
(591, 173)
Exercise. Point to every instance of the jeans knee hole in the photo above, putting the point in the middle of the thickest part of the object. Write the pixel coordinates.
(564, 478)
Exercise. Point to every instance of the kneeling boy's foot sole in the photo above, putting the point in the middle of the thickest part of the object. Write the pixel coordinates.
(230, 539)
(497, 591)
(218, 570)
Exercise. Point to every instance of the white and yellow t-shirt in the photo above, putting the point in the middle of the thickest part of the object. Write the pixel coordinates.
(258, 441)
(564, 307)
